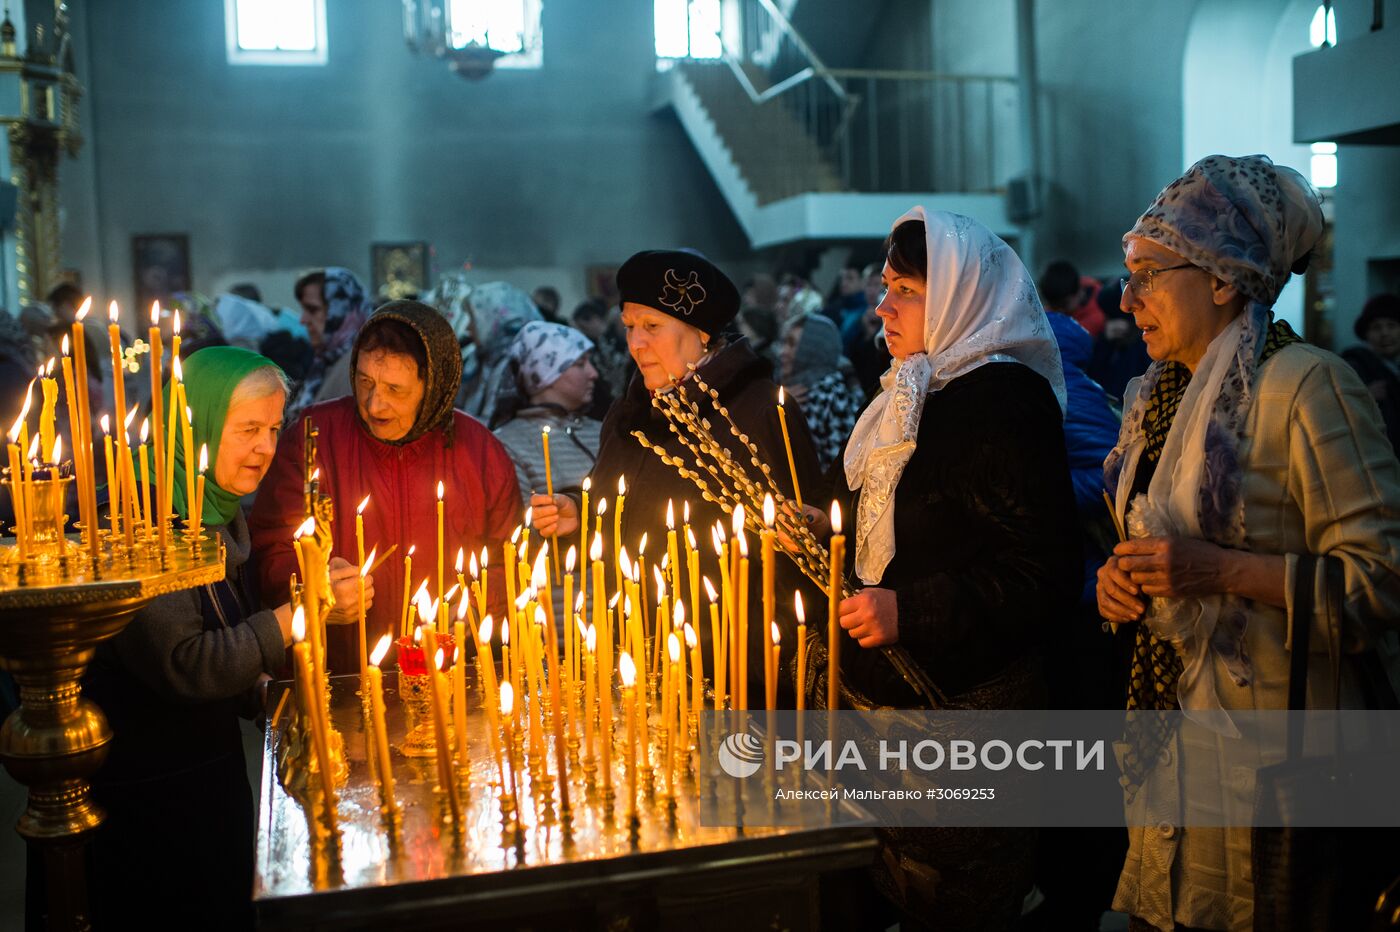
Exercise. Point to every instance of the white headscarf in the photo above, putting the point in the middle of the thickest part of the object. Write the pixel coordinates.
(980, 307)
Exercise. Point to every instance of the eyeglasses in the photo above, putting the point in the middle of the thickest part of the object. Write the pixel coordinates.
(1142, 279)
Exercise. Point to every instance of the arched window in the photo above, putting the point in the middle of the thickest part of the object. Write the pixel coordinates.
(1323, 30)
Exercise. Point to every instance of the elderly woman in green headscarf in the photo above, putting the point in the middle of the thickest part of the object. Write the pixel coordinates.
(178, 838)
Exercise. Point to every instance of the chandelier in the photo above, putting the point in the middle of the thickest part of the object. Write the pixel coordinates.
(471, 35)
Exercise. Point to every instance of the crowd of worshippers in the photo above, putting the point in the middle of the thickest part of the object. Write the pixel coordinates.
(1061, 494)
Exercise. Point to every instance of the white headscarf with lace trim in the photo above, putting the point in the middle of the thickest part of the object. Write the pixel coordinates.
(980, 307)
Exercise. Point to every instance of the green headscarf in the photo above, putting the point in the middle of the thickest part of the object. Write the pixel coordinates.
(210, 377)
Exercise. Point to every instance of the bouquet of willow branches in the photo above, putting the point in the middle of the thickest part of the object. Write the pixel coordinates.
(722, 479)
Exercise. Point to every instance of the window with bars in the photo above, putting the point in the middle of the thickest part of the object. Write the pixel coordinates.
(509, 26)
(687, 29)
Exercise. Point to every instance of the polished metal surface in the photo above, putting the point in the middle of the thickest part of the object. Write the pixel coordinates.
(425, 862)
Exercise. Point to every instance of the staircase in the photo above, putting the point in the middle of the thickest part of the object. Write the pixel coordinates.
(803, 153)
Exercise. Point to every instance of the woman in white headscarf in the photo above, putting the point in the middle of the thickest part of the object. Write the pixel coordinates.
(1243, 451)
(965, 533)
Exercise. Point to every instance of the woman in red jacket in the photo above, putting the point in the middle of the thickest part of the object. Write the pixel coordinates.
(394, 439)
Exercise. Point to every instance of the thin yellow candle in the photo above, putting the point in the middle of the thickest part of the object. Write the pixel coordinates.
(801, 650)
(584, 516)
(772, 683)
(407, 582)
(674, 736)
(440, 587)
(478, 584)
(146, 474)
(787, 444)
(84, 424)
(641, 572)
(76, 433)
(112, 500)
(114, 332)
(716, 643)
(381, 734)
(617, 531)
(766, 537)
(692, 571)
(833, 623)
(48, 389)
(365, 565)
(590, 644)
(17, 497)
(309, 690)
(488, 671)
(682, 702)
(555, 704)
(436, 688)
(173, 432)
(742, 638)
(672, 551)
(570, 631)
(697, 671)
(549, 490)
(509, 548)
(507, 708)
(459, 693)
(197, 506)
(187, 440)
(161, 506)
(131, 498)
(627, 674)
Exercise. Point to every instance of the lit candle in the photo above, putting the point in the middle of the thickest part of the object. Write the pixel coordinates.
(161, 506)
(437, 697)
(674, 737)
(84, 423)
(131, 496)
(697, 687)
(145, 474)
(309, 692)
(407, 584)
(627, 673)
(590, 644)
(365, 564)
(801, 651)
(742, 639)
(671, 552)
(76, 432)
(570, 631)
(617, 531)
(641, 574)
(439, 540)
(716, 643)
(833, 624)
(198, 505)
(112, 500)
(692, 571)
(114, 332)
(549, 490)
(766, 538)
(187, 439)
(17, 492)
(488, 671)
(48, 389)
(555, 702)
(381, 733)
(583, 518)
(510, 570)
(787, 444)
(682, 703)
(772, 683)
(507, 707)
(173, 425)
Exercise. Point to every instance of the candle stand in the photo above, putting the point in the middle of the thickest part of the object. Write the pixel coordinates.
(56, 740)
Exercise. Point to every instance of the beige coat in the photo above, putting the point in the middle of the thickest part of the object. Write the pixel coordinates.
(1319, 477)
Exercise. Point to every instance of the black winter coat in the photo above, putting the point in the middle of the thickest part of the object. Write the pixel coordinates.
(987, 550)
(750, 395)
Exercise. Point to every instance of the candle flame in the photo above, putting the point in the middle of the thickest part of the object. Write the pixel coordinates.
(627, 606)
(710, 589)
(612, 601)
(571, 559)
(439, 490)
(425, 610)
(690, 639)
(836, 517)
(33, 452)
(714, 539)
(417, 635)
(505, 633)
(411, 549)
(483, 558)
(189, 416)
(177, 371)
(507, 698)
(625, 562)
(626, 670)
(797, 605)
(175, 326)
(689, 538)
(461, 559)
(299, 624)
(515, 535)
(48, 367)
(381, 650)
(113, 313)
(483, 634)
(744, 546)
(438, 659)
(103, 420)
(670, 515)
(539, 574)
(595, 551)
(130, 416)
(737, 522)
(474, 567)
(780, 396)
(463, 604)
(369, 560)
(678, 614)
(642, 545)
(155, 313)
(777, 635)
(145, 428)
(660, 581)
(621, 485)
(769, 512)
(306, 527)
(84, 308)
(64, 344)
(360, 508)
(590, 639)
(673, 647)
(540, 616)
(587, 483)
(578, 602)
(522, 600)
(57, 453)
(544, 429)
(452, 593)
(530, 516)
(602, 507)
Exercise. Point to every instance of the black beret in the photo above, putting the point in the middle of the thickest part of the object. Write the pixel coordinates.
(683, 285)
(1380, 307)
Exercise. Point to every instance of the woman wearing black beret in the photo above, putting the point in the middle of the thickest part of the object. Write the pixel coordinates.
(675, 306)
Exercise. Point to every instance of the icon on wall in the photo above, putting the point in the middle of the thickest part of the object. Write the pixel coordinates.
(400, 270)
(160, 266)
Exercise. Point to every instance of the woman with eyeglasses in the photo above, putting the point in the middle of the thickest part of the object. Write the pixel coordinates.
(1242, 449)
